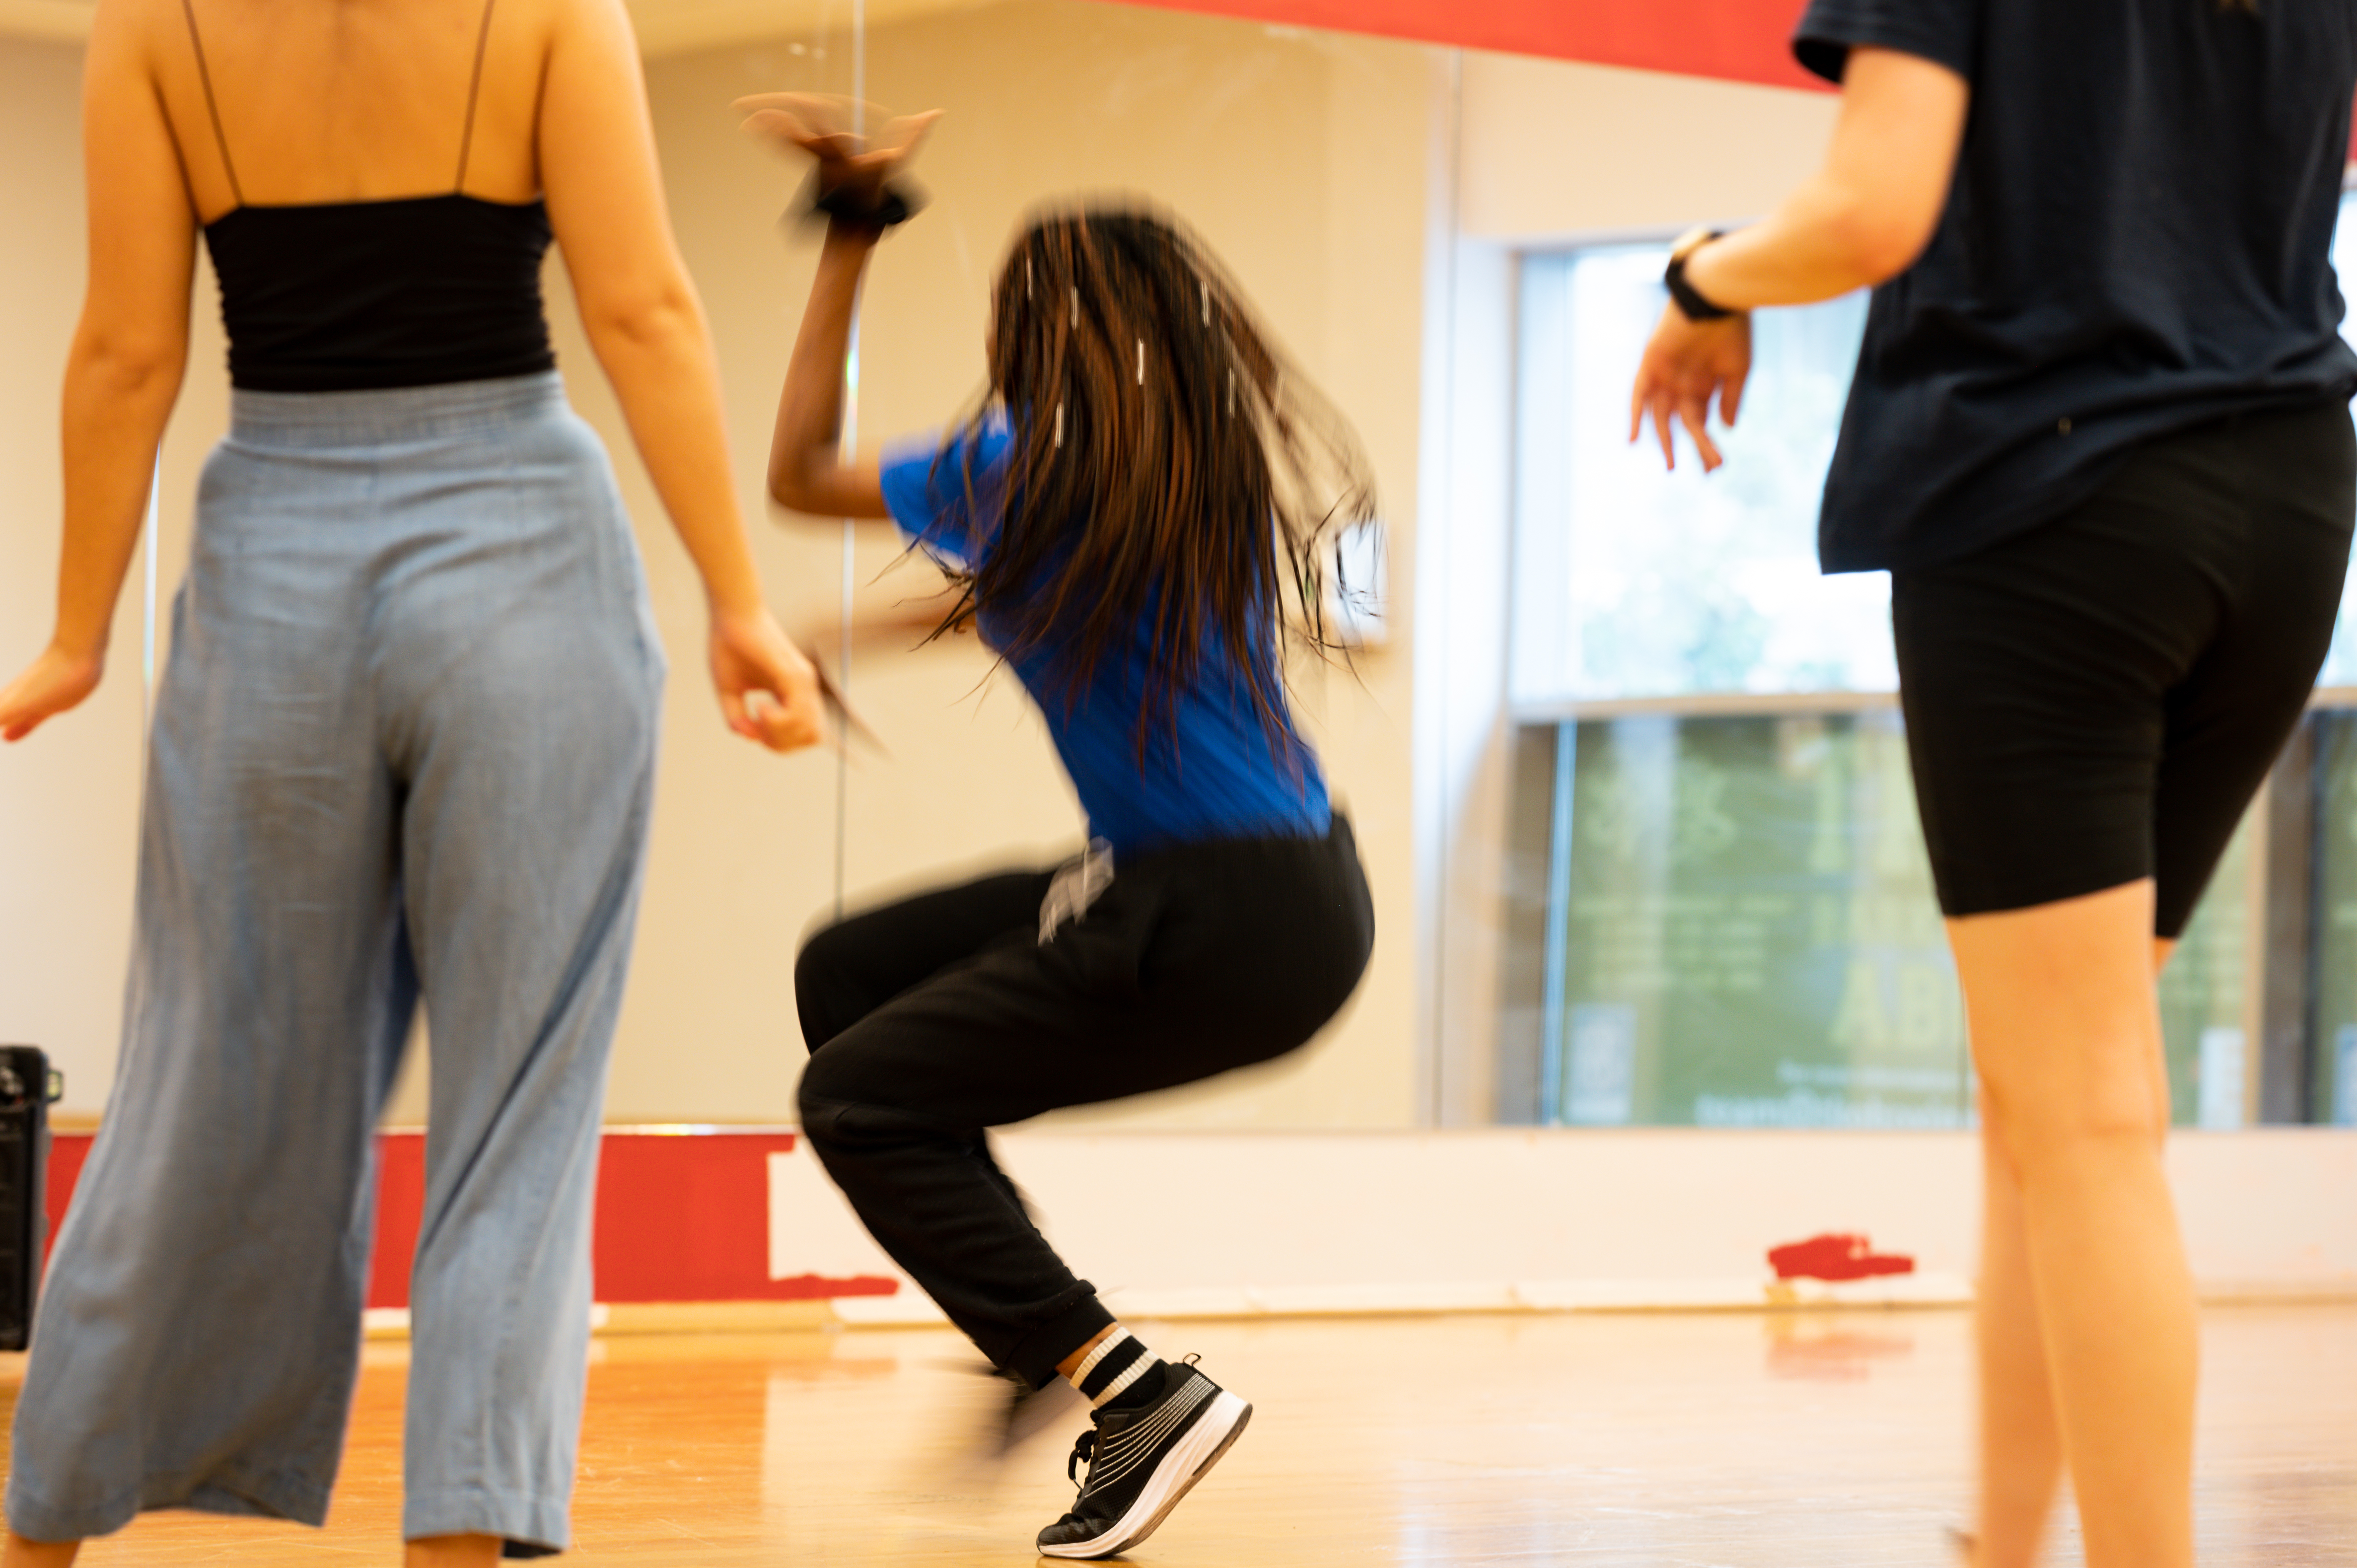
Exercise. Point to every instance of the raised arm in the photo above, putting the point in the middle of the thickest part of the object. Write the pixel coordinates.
(122, 374)
(1860, 219)
(605, 199)
(808, 472)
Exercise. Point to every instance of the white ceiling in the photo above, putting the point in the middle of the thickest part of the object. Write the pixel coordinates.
(665, 26)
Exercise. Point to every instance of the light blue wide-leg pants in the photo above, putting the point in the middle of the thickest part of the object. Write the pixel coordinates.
(405, 747)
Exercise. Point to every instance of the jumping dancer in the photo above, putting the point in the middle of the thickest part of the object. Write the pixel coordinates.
(404, 749)
(2100, 438)
(1127, 516)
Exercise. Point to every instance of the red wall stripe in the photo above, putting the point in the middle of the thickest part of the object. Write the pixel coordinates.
(399, 1209)
(1737, 41)
(687, 1219)
(1733, 40)
(680, 1217)
(68, 1151)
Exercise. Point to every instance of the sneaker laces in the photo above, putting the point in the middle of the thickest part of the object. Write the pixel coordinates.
(1084, 1451)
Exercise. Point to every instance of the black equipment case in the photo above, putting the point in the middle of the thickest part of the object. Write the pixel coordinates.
(27, 1086)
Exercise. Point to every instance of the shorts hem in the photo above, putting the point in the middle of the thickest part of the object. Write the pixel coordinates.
(2014, 904)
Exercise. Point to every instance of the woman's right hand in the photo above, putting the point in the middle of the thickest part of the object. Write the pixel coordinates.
(819, 126)
(752, 658)
(53, 682)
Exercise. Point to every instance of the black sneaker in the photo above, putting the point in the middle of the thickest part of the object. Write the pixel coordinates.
(1142, 1461)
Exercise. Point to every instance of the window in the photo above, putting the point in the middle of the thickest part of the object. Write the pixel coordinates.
(1633, 583)
(1720, 911)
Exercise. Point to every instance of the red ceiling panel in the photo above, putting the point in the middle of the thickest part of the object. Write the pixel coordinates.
(1734, 40)
(1738, 40)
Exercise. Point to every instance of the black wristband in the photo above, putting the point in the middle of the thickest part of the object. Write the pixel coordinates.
(1692, 303)
(891, 203)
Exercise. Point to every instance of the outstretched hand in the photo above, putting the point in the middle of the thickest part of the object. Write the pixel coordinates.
(50, 684)
(1685, 365)
(768, 691)
(821, 126)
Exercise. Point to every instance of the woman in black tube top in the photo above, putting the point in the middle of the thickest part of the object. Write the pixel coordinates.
(402, 752)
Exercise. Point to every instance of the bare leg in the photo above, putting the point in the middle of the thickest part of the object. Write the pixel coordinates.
(2020, 1445)
(2066, 1036)
(1071, 1363)
(24, 1553)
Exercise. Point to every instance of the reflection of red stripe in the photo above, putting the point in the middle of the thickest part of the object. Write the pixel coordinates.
(1738, 40)
(680, 1217)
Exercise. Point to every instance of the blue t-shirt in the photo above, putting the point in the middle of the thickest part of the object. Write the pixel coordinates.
(1217, 777)
(2137, 241)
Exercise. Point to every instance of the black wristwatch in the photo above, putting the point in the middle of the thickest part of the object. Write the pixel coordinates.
(1692, 303)
(880, 207)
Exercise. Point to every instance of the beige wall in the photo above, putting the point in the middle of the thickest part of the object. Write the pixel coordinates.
(69, 798)
(1553, 149)
(1547, 152)
(1325, 170)
(1287, 152)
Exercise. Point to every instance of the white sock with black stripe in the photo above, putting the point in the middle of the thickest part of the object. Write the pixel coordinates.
(1118, 1370)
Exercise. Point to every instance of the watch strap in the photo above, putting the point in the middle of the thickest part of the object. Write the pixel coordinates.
(1692, 303)
(878, 207)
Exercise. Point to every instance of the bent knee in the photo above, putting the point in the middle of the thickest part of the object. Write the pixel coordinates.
(822, 989)
(2034, 1131)
(848, 1114)
(822, 1095)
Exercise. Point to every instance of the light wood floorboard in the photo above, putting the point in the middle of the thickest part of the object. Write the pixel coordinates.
(1714, 1441)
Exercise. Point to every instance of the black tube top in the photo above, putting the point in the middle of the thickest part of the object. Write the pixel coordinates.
(345, 296)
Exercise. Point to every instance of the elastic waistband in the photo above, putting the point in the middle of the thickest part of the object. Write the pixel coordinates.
(1335, 837)
(393, 413)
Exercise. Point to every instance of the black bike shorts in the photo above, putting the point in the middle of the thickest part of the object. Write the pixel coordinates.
(2095, 701)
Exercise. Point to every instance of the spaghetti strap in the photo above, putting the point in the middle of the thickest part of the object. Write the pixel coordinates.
(474, 91)
(212, 108)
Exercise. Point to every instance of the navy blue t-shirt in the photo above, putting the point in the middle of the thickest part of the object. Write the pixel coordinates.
(2137, 241)
(1220, 778)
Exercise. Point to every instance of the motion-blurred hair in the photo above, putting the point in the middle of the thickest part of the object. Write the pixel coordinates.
(1168, 464)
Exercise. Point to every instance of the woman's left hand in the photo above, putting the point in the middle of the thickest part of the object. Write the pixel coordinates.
(752, 659)
(1685, 365)
(53, 683)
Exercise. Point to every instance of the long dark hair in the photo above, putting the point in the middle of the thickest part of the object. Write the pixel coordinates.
(1167, 463)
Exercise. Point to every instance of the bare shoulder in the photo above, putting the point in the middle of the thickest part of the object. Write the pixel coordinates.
(130, 34)
(138, 64)
(582, 21)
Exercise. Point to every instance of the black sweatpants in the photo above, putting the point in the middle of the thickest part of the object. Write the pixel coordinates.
(2095, 701)
(934, 1018)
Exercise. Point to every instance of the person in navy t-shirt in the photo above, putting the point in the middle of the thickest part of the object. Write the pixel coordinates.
(1142, 493)
(2099, 436)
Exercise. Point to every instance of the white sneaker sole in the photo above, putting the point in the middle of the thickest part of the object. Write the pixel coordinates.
(1180, 1469)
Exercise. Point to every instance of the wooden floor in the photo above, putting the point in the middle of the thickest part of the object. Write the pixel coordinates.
(1664, 1441)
